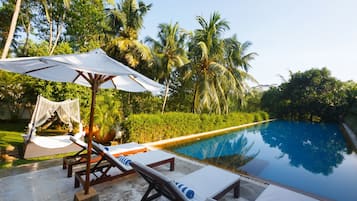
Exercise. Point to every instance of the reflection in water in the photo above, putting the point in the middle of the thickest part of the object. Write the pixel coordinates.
(230, 151)
(310, 157)
(317, 147)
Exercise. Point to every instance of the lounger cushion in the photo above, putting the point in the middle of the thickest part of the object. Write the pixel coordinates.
(187, 191)
(201, 181)
(124, 147)
(276, 193)
(124, 160)
(144, 158)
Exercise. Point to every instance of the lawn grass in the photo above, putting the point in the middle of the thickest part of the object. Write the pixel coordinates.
(11, 134)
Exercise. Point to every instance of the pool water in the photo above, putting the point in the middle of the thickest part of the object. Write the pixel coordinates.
(310, 157)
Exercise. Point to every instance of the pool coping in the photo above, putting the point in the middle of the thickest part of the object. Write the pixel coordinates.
(199, 136)
(351, 135)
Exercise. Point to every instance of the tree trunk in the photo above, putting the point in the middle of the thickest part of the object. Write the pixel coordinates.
(12, 29)
(25, 48)
(166, 95)
(59, 31)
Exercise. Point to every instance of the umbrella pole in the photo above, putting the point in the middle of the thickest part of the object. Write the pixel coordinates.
(90, 134)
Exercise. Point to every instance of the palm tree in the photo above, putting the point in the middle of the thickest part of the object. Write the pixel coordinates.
(218, 66)
(212, 80)
(238, 62)
(169, 52)
(126, 21)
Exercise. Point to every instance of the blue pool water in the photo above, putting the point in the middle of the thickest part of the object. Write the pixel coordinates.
(311, 157)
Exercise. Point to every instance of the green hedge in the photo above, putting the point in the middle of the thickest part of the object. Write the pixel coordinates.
(143, 128)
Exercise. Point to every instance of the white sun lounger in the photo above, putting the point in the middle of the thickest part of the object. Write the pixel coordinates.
(207, 183)
(109, 167)
(117, 150)
(276, 193)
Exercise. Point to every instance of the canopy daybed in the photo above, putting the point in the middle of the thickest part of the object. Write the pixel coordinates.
(68, 113)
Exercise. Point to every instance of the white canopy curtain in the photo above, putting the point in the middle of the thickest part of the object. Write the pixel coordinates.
(67, 111)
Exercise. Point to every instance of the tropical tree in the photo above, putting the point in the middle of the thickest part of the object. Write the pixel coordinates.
(10, 36)
(11, 94)
(206, 51)
(214, 66)
(126, 20)
(313, 95)
(238, 62)
(25, 26)
(169, 53)
(6, 9)
(15, 16)
(51, 21)
(86, 26)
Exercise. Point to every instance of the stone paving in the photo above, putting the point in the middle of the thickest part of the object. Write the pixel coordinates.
(47, 181)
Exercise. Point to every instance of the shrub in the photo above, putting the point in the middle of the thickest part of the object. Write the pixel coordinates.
(143, 128)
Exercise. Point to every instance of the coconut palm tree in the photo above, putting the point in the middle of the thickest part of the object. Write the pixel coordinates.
(212, 80)
(126, 21)
(218, 66)
(169, 53)
(238, 62)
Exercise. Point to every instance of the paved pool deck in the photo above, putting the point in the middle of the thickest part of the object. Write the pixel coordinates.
(47, 181)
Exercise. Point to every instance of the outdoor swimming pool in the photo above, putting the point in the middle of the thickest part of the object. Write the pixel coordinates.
(311, 157)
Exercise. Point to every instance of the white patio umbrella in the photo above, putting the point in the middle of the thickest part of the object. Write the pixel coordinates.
(94, 69)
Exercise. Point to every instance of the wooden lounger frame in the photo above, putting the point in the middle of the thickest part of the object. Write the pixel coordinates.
(100, 170)
(81, 158)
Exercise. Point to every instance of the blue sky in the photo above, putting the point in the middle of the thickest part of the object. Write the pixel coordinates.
(288, 35)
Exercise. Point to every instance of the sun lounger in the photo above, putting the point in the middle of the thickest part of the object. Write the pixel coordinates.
(276, 193)
(208, 183)
(81, 158)
(109, 167)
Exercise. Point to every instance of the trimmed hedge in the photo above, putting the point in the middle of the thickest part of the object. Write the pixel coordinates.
(144, 128)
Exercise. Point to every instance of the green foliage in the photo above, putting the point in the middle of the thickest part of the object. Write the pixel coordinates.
(10, 133)
(19, 92)
(218, 68)
(152, 127)
(169, 53)
(108, 114)
(86, 25)
(126, 21)
(11, 93)
(181, 93)
(312, 95)
(252, 102)
(64, 27)
(135, 103)
(6, 10)
(42, 49)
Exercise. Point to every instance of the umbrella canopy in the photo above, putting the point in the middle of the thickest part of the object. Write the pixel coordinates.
(77, 68)
(94, 69)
